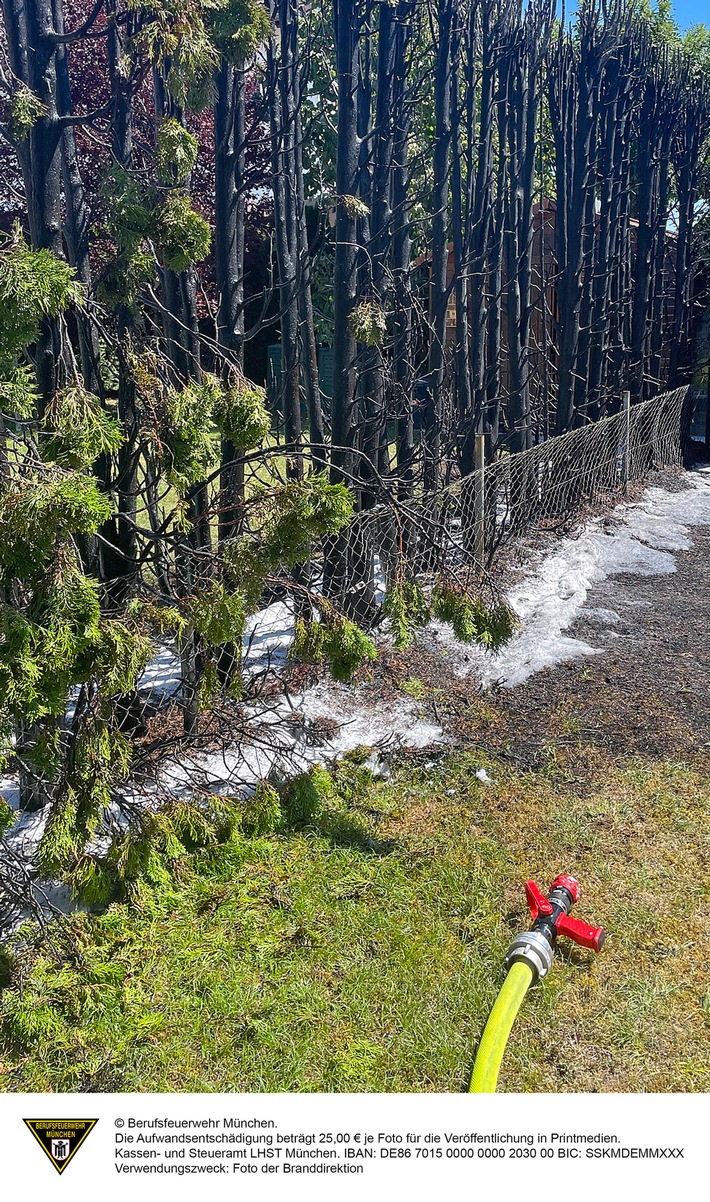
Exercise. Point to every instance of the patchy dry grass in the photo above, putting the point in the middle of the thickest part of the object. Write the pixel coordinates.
(364, 952)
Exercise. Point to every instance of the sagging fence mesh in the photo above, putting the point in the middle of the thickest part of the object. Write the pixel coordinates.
(467, 524)
(270, 724)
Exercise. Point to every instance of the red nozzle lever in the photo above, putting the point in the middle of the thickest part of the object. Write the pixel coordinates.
(542, 907)
(580, 932)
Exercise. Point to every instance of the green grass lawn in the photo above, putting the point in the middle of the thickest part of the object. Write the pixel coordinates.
(363, 951)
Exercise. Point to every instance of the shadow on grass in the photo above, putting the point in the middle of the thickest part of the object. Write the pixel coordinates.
(342, 830)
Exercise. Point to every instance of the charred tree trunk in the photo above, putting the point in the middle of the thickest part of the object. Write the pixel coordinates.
(693, 130)
(230, 202)
(403, 368)
(282, 108)
(433, 411)
(482, 232)
(344, 423)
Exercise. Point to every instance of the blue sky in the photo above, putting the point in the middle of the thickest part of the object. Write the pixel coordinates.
(687, 12)
(691, 12)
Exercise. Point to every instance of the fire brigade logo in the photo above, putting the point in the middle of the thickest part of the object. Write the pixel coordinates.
(60, 1139)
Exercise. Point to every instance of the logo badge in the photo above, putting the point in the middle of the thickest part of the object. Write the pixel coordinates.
(60, 1138)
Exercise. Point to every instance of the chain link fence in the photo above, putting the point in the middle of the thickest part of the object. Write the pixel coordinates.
(464, 527)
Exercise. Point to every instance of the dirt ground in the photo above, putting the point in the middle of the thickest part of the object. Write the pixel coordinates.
(646, 692)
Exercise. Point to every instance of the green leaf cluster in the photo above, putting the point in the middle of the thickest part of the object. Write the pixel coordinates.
(406, 607)
(193, 40)
(295, 801)
(45, 751)
(50, 647)
(162, 619)
(183, 237)
(18, 392)
(121, 657)
(190, 416)
(191, 75)
(334, 641)
(354, 206)
(26, 109)
(218, 616)
(137, 213)
(124, 276)
(143, 859)
(286, 522)
(42, 511)
(306, 797)
(188, 446)
(246, 566)
(238, 28)
(175, 152)
(80, 429)
(34, 285)
(98, 759)
(471, 619)
(239, 410)
(7, 816)
(129, 208)
(176, 33)
(261, 812)
(303, 510)
(60, 641)
(368, 324)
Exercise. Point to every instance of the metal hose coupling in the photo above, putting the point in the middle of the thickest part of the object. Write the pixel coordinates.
(533, 949)
(550, 915)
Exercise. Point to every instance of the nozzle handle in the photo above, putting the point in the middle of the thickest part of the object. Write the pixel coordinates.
(579, 932)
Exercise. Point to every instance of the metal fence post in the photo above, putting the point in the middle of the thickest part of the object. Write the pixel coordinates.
(626, 452)
(479, 500)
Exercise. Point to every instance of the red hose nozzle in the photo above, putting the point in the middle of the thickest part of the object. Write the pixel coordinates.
(570, 883)
(547, 912)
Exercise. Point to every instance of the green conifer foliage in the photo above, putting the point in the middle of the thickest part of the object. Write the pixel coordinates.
(333, 641)
(34, 284)
(406, 607)
(18, 393)
(300, 512)
(175, 152)
(80, 429)
(56, 646)
(192, 39)
(471, 619)
(182, 236)
(73, 646)
(368, 324)
(187, 444)
(262, 813)
(25, 111)
(39, 513)
(189, 418)
(176, 33)
(129, 204)
(238, 28)
(129, 209)
(239, 410)
(218, 616)
(306, 796)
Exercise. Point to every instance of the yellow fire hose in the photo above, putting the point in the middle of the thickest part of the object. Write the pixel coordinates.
(495, 1037)
(529, 958)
